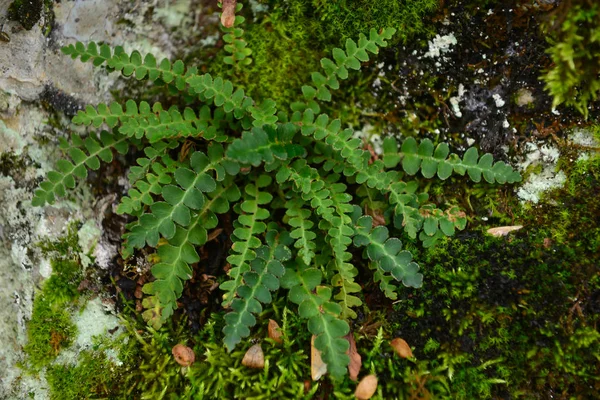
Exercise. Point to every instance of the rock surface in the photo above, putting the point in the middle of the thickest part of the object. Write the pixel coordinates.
(40, 89)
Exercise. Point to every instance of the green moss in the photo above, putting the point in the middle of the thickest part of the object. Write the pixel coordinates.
(288, 42)
(49, 331)
(27, 12)
(65, 247)
(575, 51)
(50, 328)
(521, 309)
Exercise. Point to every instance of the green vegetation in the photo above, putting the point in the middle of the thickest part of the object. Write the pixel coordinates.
(525, 307)
(574, 30)
(323, 232)
(50, 328)
(287, 41)
(270, 157)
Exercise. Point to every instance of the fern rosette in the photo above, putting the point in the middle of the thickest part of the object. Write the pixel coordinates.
(229, 161)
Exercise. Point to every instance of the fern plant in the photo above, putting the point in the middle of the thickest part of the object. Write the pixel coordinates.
(230, 154)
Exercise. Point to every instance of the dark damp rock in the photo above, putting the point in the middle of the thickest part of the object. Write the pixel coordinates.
(26, 12)
(60, 101)
(487, 121)
(126, 284)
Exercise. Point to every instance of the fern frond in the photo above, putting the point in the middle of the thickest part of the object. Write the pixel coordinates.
(131, 64)
(266, 145)
(385, 252)
(248, 225)
(180, 251)
(322, 129)
(144, 183)
(430, 161)
(236, 45)
(259, 282)
(344, 60)
(179, 199)
(96, 149)
(154, 122)
(314, 303)
(332, 203)
(213, 91)
(299, 219)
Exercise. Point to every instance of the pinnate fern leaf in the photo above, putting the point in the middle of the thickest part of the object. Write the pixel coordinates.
(245, 241)
(343, 60)
(84, 153)
(314, 303)
(437, 161)
(258, 283)
(386, 252)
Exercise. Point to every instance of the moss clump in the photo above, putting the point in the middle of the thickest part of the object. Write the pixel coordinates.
(65, 248)
(517, 315)
(288, 42)
(27, 12)
(51, 328)
(573, 30)
(94, 376)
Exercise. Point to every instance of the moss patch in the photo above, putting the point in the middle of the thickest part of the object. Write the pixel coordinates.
(51, 328)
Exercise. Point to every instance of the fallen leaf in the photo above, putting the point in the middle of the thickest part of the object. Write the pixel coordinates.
(228, 15)
(254, 357)
(275, 331)
(355, 359)
(401, 348)
(317, 367)
(503, 230)
(366, 388)
(183, 355)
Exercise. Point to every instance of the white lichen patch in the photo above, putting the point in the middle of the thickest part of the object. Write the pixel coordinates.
(545, 156)
(96, 319)
(583, 137)
(440, 45)
(498, 100)
(173, 12)
(93, 322)
(537, 184)
(89, 236)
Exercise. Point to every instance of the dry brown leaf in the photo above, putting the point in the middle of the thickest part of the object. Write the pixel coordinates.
(183, 355)
(228, 14)
(254, 357)
(366, 388)
(275, 331)
(317, 367)
(503, 230)
(401, 348)
(213, 235)
(355, 359)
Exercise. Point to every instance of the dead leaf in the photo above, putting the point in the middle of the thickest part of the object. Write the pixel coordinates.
(401, 348)
(355, 359)
(228, 15)
(254, 357)
(503, 230)
(183, 355)
(213, 235)
(275, 331)
(317, 367)
(366, 388)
